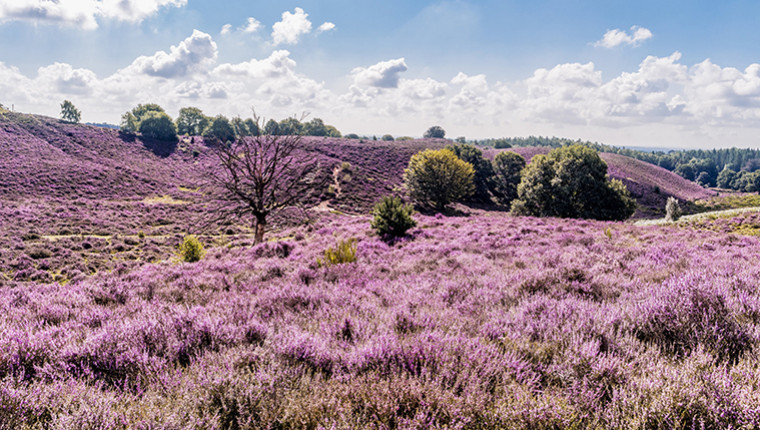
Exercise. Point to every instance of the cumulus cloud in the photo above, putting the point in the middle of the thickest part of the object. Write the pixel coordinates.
(292, 26)
(385, 74)
(82, 13)
(190, 55)
(226, 28)
(327, 26)
(252, 26)
(616, 37)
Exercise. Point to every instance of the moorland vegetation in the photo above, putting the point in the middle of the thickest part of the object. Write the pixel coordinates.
(126, 302)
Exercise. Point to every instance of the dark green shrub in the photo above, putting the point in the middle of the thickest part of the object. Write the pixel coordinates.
(572, 182)
(392, 218)
(220, 130)
(159, 126)
(191, 249)
(483, 179)
(507, 166)
(388, 138)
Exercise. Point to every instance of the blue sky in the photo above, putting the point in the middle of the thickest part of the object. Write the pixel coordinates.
(644, 73)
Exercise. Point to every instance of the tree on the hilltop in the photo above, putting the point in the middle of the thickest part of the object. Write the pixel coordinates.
(483, 179)
(436, 132)
(260, 175)
(130, 121)
(220, 130)
(69, 112)
(507, 166)
(191, 121)
(290, 126)
(436, 178)
(159, 126)
(271, 127)
(571, 182)
(388, 138)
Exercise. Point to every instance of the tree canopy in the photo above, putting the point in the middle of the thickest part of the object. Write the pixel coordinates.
(571, 182)
(435, 131)
(191, 121)
(69, 112)
(436, 178)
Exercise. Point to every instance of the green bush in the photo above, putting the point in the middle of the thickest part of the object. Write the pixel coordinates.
(436, 178)
(191, 249)
(483, 179)
(159, 126)
(392, 218)
(220, 130)
(572, 182)
(344, 252)
(507, 167)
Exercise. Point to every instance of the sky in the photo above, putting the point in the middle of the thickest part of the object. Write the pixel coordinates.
(666, 74)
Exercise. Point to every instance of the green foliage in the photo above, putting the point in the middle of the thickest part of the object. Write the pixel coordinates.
(159, 126)
(272, 128)
(436, 178)
(191, 121)
(435, 132)
(388, 138)
(571, 182)
(220, 130)
(507, 167)
(392, 218)
(352, 136)
(69, 112)
(130, 121)
(483, 179)
(191, 249)
(672, 209)
(291, 127)
(344, 252)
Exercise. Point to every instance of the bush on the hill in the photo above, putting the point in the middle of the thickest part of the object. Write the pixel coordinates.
(436, 178)
(388, 138)
(571, 182)
(483, 179)
(436, 132)
(672, 209)
(131, 120)
(191, 249)
(159, 126)
(392, 218)
(507, 166)
(220, 130)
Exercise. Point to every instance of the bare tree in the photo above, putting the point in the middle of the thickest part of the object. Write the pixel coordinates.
(259, 175)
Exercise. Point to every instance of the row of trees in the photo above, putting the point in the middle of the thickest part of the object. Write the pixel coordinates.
(569, 182)
(731, 168)
(152, 121)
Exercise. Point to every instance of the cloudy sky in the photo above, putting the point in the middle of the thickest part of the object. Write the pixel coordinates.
(670, 73)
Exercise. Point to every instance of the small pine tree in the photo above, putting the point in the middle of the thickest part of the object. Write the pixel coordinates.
(191, 249)
(392, 218)
(672, 210)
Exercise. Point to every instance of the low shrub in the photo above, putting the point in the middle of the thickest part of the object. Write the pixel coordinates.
(344, 252)
(191, 249)
(672, 209)
(392, 218)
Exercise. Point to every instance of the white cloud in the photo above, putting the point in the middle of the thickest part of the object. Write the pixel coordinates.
(251, 26)
(291, 28)
(82, 13)
(616, 37)
(327, 26)
(226, 28)
(189, 56)
(384, 74)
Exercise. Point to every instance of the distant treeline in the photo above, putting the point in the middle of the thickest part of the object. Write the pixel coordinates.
(732, 168)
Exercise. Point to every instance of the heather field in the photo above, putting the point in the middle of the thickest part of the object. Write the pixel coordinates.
(480, 321)
(476, 320)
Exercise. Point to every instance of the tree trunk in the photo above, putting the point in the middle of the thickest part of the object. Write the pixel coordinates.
(260, 227)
